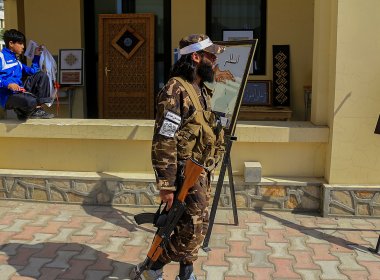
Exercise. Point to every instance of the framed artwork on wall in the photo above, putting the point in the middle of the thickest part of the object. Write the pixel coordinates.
(258, 93)
(71, 67)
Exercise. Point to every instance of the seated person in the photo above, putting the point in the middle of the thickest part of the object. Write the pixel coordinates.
(26, 99)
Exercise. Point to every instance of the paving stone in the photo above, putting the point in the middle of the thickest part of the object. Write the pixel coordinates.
(309, 274)
(6, 271)
(96, 274)
(110, 225)
(10, 249)
(260, 258)
(62, 260)
(218, 241)
(284, 269)
(258, 242)
(41, 221)
(237, 234)
(64, 216)
(216, 257)
(312, 247)
(17, 226)
(280, 250)
(22, 256)
(50, 273)
(366, 256)
(87, 230)
(115, 245)
(77, 269)
(314, 236)
(344, 223)
(49, 250)
(370, 241)
(238, 249)
(297, 243)
(348, 261)
(215, 272)
(373, 268)
(255, 229)
(120, 271)
(330, 270)
(276, 235)
(87, 254)
(40, 238)
(138, 238)
(321, 252)
(271, 224)
(304, 260)
(356, 274)
(238, 267)
(35, 264)
(261, 273)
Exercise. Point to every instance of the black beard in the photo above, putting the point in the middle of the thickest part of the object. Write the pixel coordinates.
(205, 72)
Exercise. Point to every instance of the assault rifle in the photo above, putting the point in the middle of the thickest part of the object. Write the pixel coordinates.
(192, 172)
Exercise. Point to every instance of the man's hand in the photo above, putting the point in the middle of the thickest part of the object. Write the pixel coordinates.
(14, 87)
(167, 197)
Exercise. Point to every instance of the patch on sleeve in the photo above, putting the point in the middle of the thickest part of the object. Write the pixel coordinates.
(173, 117)
(168, 128)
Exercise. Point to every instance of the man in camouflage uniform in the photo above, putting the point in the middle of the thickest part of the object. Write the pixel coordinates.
(174, 108)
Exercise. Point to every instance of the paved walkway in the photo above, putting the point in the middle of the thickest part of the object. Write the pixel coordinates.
(60, 241)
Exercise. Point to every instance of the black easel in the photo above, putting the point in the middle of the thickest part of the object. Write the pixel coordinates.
(377, 249)
(225, 164)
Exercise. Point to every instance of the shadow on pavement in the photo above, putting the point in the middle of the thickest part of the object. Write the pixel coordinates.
(115, 216)
(319, 234)
(99, 204)
(47, 261)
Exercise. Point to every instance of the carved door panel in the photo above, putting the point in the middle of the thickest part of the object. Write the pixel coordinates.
(126, 66)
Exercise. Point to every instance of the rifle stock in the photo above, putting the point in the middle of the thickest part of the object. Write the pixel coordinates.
(192, 172)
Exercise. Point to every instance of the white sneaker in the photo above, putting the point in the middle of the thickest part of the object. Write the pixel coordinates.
(147, 274)
(192, 277)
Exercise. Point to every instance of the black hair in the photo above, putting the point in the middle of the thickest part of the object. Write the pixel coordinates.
(13, 35)
(184, 68)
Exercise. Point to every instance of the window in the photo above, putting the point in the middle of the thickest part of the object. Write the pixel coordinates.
(239, 15)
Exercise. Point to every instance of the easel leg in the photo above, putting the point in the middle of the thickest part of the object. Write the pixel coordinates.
(226, 164)
(232, 190)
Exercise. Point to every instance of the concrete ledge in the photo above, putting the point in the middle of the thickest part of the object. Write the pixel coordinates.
(262, 132)
(351, 200)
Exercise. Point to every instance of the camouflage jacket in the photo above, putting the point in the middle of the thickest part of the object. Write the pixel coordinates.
(174, 107)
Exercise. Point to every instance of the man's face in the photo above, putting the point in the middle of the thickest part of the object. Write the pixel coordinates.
(205, 68)
(16, 47)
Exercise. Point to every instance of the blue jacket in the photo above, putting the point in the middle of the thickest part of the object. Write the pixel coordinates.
(12, 70)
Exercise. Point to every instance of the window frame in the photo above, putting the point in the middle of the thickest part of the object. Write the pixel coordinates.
(261, 46)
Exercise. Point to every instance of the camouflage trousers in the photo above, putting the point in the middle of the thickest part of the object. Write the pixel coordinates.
(191, 229)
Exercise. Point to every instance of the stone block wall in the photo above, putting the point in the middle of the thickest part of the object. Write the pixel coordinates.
(302, 197)
(358, 201)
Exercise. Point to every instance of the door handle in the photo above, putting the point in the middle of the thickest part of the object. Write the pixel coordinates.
(106, 70)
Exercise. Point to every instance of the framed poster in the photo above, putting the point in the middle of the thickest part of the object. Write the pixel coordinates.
(70, 77)
(257, 93)
(238, 35)
(71, 67)
(231, 73)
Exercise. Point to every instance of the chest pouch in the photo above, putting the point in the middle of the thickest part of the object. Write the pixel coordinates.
(199, 137)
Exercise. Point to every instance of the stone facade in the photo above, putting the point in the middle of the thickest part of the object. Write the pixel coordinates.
(351, 201)
(305, 197)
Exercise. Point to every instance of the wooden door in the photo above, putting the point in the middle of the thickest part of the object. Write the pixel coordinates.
(126, 66)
